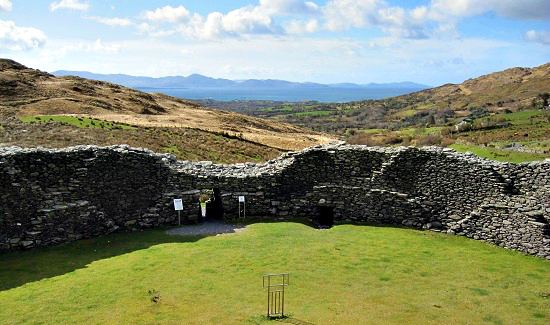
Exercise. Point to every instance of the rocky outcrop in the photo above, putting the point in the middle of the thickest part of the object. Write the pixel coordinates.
(54, 196)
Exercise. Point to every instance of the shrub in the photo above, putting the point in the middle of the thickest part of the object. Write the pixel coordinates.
(375, 139)
(429, 140)
(445, 142)
(204, 197)
(446, 131)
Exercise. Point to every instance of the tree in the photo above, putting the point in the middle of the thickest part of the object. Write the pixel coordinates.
(431, 120)
(545, 97)
(541, 101)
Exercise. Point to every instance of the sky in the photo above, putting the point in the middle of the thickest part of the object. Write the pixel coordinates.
(329, 41)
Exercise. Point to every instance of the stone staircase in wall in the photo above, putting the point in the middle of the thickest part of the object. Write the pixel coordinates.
(377, 175)
(513, 223)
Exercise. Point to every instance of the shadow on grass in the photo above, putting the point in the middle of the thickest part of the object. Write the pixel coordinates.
(291, 320)
(21, 267)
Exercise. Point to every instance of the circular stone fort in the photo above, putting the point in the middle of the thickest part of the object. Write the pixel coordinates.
(50, 197)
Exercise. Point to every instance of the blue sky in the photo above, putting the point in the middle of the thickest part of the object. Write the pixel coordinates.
(428, 41)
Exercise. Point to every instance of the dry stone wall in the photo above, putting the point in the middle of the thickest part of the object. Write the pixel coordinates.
(54, 196)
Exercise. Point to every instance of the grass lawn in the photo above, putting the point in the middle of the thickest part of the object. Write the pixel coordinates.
(345, 275)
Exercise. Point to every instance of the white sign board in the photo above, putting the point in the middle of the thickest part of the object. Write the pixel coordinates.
(178, 204)
(241, 198)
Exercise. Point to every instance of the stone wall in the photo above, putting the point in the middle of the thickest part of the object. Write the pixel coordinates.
(54, 196)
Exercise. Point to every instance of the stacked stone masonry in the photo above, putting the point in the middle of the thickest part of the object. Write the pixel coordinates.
(54, 196)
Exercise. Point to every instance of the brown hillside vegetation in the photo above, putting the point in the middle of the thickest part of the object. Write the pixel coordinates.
(27, 92)
(510, 88)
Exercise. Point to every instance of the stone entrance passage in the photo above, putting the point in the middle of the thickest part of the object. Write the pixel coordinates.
(325, 218)
(214, 208)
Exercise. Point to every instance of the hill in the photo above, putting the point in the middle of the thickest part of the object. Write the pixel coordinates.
(38, 108)
(506, 91)
(200, 81)
(498, 116)
(201, 87)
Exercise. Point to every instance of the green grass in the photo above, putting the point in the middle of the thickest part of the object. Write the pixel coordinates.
(282, 108)
(81, 122)
(420, 131)
(524, 117)
(173, 149)
(424, 106)
(499, 154)
(406, 113)
(345, 275)
(313, 113)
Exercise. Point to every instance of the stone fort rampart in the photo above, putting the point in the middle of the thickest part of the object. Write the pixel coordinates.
(54, 196)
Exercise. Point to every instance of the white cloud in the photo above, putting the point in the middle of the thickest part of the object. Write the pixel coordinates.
(168, 14)
(239, 22)
(114, 21)
(100, 47)
(13, 37)
(301, 27)
(395, 21)
(285, 7)
(542, 37)
(399, 23)
(247, 20)
(153, 31)
(521, 9)
(5, 5)
(344, 14)
(438, 19)
(69, 4)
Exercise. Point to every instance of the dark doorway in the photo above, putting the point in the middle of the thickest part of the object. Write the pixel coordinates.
(214, 208)
(326, 217)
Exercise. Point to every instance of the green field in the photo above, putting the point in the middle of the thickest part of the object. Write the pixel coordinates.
(525, 117)
(81, 122)
(313, 113)
(499, 154)
(345, 275)
(420, 131)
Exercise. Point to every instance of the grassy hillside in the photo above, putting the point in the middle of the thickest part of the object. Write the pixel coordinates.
(514, 137)
(344, 275)
(70, 106)
(509, 90)
(57, 131)
(502, 116)
(498, 116)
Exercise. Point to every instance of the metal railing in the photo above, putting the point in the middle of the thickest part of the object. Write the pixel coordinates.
(275, 284)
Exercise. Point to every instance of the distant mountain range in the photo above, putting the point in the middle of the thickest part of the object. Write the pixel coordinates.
(197, 81)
